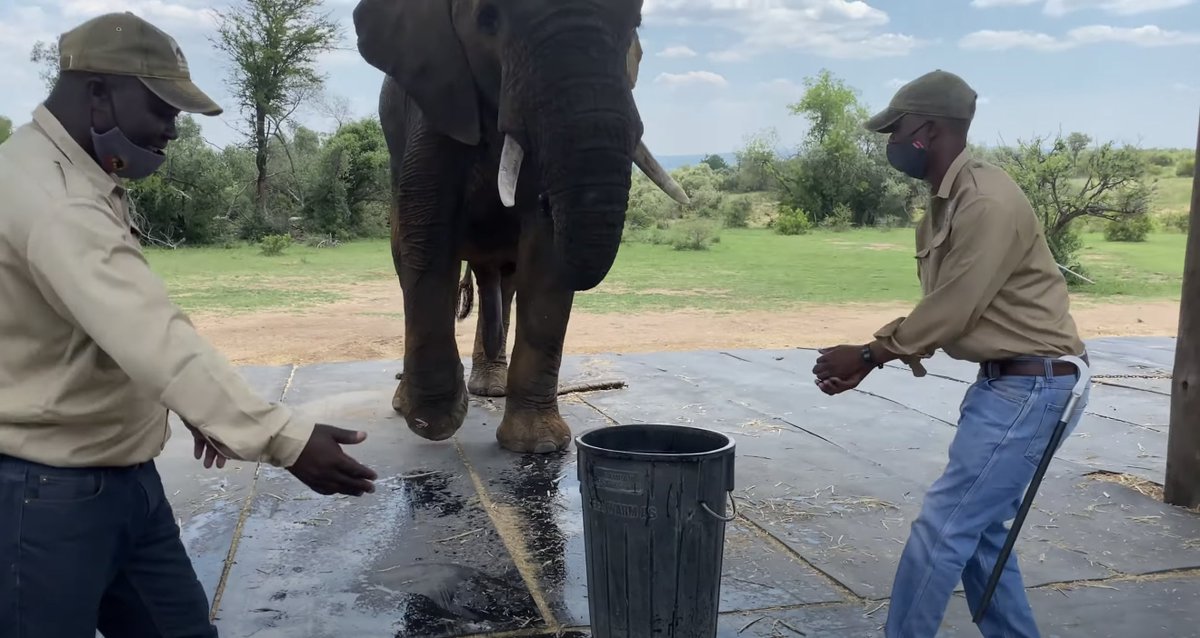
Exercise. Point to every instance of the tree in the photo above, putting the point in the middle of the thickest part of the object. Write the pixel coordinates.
(273, 46)
(715, 162)
(755, 162)
(5, 128)
(841, 169)
(45, 56)
(1065, 181)
(187, 200)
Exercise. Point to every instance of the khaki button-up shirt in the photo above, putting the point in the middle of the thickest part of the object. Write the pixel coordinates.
(92, 351)
(991, 288)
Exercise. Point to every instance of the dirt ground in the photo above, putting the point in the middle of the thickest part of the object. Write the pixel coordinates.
(370, 325)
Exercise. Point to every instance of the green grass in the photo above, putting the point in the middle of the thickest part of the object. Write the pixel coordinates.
(1174, 195)
(748, 269)
(1152, 269)
(242, 279)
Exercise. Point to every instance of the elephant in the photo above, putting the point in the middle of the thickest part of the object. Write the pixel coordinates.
(512, 133)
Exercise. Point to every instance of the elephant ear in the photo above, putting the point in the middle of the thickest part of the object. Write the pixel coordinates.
(633, 60)
(414, 42)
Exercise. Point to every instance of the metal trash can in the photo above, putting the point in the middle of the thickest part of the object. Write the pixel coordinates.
(654, 520)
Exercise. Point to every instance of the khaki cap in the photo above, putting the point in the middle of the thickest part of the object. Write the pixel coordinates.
(124, 44)
(937, 94)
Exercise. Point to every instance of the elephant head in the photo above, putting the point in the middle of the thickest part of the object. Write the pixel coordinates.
(557, 77)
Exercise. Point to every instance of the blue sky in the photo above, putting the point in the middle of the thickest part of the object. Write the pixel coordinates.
(716, 71)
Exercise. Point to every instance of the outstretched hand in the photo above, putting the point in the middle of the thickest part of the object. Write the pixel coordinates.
(326, 469)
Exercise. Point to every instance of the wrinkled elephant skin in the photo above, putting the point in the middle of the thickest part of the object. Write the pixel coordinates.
(513, 132)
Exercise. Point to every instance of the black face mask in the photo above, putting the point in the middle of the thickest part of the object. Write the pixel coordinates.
(910, 157)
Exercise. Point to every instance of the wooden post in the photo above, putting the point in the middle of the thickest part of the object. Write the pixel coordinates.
(1182, 486)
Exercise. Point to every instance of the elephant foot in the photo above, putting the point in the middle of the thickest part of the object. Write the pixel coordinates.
(488, 380)
(533, 431)
(434, 421)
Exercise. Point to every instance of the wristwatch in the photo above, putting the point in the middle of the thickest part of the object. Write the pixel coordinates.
(869, 358)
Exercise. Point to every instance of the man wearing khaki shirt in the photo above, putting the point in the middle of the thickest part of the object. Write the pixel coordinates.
(992, 294)
(93, 354)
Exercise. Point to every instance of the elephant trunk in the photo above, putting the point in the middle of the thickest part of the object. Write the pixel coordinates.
(585, 139)
(587, 194)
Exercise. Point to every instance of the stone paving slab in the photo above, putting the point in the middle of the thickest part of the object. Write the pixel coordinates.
(463, 538)
(207, 502)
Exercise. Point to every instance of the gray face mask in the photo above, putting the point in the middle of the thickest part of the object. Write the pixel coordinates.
(120, 156)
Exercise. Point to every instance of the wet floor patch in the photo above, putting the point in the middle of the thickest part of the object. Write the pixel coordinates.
(419, 558)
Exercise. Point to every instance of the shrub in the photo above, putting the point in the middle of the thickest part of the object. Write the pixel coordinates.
(1177, 220)
(791, 221)
(735, 213)
(839, 220)
(1132, 228)
(693, 234)
(1186, 168)
(272, 245)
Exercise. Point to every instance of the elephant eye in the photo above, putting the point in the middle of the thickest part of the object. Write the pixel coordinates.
(489, 19)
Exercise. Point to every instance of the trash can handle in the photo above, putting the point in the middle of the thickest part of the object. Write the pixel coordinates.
(718, 516)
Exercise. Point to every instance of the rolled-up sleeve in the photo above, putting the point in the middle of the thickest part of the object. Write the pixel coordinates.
(986, 248)
(86, 266)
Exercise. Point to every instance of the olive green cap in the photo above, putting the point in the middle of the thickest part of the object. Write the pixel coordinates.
(936, 94)
(124, 44)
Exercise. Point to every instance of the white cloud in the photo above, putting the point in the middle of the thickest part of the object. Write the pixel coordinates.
(895, 83)
(677, 51)
(782, 89)
(692, 78)
(1186, 88)
(1144, 36)
(1060, 8)
(166, 14)
(827, 28)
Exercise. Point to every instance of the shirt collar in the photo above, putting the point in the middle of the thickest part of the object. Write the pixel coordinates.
(952, 173)
(79, 158)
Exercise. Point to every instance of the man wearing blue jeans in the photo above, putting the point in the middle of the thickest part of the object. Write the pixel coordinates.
(992, 294)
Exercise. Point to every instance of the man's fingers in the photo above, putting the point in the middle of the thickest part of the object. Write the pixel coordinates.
(354, 469)
(346, 437)
(344, 482)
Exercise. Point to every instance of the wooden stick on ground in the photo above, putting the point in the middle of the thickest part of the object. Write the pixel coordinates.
(593, 386)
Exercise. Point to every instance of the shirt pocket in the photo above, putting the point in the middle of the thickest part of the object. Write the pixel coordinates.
(929, 257)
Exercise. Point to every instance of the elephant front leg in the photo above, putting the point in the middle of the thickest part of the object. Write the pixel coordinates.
(532, 423)
(489, 370)
(431, 395)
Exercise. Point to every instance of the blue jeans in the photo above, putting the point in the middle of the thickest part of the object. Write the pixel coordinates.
(1005, 425)
(87, 549)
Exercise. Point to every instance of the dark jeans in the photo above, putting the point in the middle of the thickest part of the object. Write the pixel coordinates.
(93, 548)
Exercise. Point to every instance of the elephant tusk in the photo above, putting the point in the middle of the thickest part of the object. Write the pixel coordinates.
(510, 168)
(650, 166)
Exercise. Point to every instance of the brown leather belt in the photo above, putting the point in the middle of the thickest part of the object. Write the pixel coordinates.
(1028, 368)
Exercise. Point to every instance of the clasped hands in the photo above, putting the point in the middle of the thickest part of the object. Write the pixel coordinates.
(840, 368)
